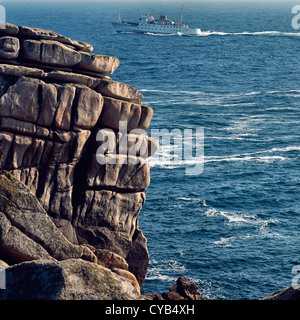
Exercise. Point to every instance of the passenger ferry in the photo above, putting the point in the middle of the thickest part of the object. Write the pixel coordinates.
(148, 24)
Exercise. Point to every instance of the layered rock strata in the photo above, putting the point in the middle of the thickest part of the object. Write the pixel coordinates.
(57, 105)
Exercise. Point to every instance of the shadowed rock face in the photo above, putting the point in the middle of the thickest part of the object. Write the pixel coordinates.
(65, 280)
(54, 99)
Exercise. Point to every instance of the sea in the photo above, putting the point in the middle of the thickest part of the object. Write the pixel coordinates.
(233, 228)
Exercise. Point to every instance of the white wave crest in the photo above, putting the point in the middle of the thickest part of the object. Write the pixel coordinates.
(247, 33)
(232, 217)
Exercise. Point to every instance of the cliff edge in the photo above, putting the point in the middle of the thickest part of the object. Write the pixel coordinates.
(69, 189)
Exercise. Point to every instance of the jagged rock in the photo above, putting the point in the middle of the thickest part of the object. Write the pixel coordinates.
(117, 172)
(128, 276)
(111, 260)
(37, 33)
(50, 52)
(188, 289)
(89, 107)
(184, 289)
(23, 217)
(114, 111)
(46, 104)
(12, 70)
(284, 294)
(119, 90)
(109, 220)
(152, 296)
(66, 228)
(9, 30)
(104, 209)
(138, 256)
(9, 47)
(108, 141)
(171, 296)
(70, 77)
(98, 63)
(11, 239)
(65, 280)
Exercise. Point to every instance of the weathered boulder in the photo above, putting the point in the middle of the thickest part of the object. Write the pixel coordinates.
(11, 239)
(119, 90)
(63, 106)
(9, 47)
(38, 33)
(19, 71)
(128, 276)
(114, 111)
(98, 63)
(105, 210)
(26, 231)
(171, 296)
(184, 289)
(9, 30)
(72, 279)
(71, 77)
(117, 172)
(111, 260)
(284, 294)
(50, 52)
(187, 289)
(108, 141)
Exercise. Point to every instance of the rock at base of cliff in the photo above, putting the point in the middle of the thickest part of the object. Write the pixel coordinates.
(73, 279)
(285, 294)
(184, 289)
(26, 231)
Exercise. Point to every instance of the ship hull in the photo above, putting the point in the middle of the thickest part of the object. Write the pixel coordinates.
(156, 29)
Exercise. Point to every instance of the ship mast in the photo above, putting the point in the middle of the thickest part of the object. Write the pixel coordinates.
(119, 16)
(181, 15)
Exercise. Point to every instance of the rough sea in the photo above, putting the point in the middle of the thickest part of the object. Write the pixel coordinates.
(235, 228)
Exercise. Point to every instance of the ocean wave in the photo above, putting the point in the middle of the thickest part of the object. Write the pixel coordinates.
(165, 270)
(222, 33)
(225, 241)
(162, 34)
(164, 159)
(232, 217)
(220, 95)
(173, 91)
(254, 156)
(286, 149)
(169, 270)
(242, 159)
(247, 33)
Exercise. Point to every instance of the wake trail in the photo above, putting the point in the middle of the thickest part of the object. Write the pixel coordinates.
(247, 33)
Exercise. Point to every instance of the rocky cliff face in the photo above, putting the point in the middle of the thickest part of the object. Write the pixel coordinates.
(56, 105)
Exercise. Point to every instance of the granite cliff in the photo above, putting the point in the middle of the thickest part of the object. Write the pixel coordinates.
(65, 193)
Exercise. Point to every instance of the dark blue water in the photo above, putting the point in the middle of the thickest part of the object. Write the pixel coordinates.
(234, 229)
